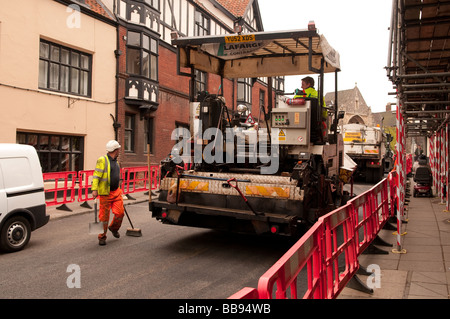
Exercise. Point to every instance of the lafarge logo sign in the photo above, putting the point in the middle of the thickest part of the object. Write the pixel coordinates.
(237, 49)
(234, 46)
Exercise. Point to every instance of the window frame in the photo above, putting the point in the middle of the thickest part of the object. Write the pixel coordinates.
(49, 61)
(247, 85)
(75, 159)
(262, 103)
(152, 3)
(201, 81)
(130, 130)
(152, 52)
(278, 83)
(200, 19)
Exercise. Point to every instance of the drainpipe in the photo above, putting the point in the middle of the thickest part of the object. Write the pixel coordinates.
(118, 53)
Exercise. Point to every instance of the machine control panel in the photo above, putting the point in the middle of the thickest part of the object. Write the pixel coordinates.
(281, 119)
(290, 126)
(286, 118)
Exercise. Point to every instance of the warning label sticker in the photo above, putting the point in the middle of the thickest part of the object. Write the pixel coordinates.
(249, 120)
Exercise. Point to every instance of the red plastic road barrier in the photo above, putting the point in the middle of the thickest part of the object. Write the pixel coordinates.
(340, 241)
(245, 293)
(364, 222)
(84, 185)
(328, 252)
(306, 252)
(134, 179)
(380, 202)
(64, 190)
(155, 176)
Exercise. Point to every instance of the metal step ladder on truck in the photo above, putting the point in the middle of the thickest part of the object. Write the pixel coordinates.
(277, 178)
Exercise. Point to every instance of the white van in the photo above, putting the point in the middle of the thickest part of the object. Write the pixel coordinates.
(22, 197)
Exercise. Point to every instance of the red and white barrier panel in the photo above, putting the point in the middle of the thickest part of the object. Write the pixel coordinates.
(445, 149)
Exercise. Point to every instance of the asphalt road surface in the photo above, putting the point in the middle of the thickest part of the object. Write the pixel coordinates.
(168, 262)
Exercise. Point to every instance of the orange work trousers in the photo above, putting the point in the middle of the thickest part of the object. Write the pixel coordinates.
(113, 202)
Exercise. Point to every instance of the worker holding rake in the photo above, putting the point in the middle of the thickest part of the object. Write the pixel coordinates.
(106, 185)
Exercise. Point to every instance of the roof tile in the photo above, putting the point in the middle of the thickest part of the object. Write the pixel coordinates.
(97, 6)
(236, 7)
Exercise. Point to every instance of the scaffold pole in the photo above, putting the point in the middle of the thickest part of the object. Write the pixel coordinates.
(400, 168)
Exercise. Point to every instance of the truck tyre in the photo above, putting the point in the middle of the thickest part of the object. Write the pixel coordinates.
(15, 234)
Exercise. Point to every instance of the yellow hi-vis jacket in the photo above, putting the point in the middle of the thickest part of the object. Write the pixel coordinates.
(311, 92)
(101, 179)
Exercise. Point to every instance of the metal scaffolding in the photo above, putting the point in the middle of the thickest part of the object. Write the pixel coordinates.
(419, 68)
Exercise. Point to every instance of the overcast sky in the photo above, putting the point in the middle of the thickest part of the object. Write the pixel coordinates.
(357, 29)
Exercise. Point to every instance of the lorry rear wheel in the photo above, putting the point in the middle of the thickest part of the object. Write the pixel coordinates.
(15, 234)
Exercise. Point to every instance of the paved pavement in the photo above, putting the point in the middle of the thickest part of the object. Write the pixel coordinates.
(422, 271)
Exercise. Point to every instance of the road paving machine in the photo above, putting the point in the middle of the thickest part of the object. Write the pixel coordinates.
(275, 178)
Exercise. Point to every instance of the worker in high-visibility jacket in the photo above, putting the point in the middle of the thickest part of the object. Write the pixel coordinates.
(310, 91)
(106, 186)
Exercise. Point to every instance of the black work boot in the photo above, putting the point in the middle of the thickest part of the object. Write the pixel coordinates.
(115, 233)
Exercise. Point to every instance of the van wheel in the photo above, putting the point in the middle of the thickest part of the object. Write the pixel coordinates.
(15, 234)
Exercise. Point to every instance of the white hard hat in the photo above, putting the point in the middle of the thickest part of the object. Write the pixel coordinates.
(112, 145)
